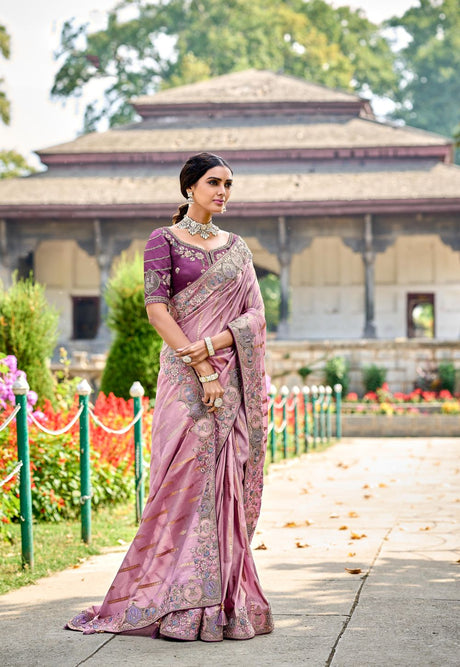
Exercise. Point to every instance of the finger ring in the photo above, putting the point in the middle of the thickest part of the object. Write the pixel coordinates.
(218, 403)
(186, 359)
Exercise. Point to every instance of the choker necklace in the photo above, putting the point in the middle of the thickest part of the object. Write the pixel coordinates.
(193, 227)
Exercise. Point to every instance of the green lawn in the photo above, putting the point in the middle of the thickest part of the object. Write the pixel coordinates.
(58, 545)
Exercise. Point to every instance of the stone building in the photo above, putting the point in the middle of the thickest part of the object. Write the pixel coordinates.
(360, 219)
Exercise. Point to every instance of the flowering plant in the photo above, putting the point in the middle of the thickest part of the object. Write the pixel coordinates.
(55, 459)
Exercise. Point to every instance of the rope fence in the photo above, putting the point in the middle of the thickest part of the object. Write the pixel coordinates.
(298, 419)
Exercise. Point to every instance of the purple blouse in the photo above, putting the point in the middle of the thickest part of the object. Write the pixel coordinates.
(171, 264)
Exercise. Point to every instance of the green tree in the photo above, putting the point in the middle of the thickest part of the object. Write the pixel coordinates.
(312, 40)
(13, 164)
(271, 294)
(135, 351)
(28, 329)
(5, 51)
(429, 92)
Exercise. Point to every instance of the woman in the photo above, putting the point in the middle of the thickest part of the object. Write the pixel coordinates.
(189, 572)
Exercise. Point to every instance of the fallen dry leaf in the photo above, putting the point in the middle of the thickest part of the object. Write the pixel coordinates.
(343, 528)
(357, 536)
(365, 486)
(425, 528)
(301, 545)
(342, 465)
(261, 547)
(382, 485)
(353, 515)
(353, 570)
(333, 516)
(291, 524)
(308, 522)
(304, 490)
(331, 479)
(367, 496)
(351, 554)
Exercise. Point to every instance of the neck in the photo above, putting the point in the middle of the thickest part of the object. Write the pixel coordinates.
(199, 215)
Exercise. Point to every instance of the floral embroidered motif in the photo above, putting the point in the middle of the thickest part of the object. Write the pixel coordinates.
(151, 281)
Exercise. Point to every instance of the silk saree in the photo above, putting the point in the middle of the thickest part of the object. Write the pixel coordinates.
(189, 572)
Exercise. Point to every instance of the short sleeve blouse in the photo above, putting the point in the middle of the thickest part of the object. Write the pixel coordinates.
(170, 264)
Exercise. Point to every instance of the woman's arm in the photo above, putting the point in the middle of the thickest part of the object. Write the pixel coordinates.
(173, 336)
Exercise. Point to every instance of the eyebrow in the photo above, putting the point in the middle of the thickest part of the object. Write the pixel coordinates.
(216, 178)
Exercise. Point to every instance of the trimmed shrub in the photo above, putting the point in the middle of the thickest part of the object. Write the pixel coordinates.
(337, 371)
(446, 372)
(374, 377)
(135, 351)
(28, 330)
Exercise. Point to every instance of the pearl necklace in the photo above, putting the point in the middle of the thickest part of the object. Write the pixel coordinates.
(193, 227)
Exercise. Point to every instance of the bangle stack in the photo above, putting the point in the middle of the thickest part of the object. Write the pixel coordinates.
(208, 378)
(209, 346)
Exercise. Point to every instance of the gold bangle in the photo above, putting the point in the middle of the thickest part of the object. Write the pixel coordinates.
(209, 346)
(208, 378)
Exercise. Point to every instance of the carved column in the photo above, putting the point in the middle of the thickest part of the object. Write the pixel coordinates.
(369, 280)
(284, 257)
(5, 268)
(104, 257)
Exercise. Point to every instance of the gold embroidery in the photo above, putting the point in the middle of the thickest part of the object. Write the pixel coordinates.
(192, 500)
(165, 484)
(131, 567)
(181, 518)
(154, 583)
(177, 465)
(118, 600)
(154, 516)
(163, 553)
(174, 493)
(149, 546)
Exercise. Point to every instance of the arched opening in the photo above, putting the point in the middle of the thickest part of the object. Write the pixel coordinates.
(420, 316)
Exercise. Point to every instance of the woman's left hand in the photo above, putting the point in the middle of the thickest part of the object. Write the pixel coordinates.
(197, 352)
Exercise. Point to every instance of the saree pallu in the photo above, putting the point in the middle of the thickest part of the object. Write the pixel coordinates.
(189, 572)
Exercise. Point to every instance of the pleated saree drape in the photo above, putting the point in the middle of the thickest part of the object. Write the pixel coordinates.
(189, 572)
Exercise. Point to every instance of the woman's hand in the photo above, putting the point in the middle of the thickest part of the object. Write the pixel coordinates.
(212, 390)
(197, 352)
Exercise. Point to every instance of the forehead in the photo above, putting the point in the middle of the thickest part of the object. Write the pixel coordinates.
(220, 172)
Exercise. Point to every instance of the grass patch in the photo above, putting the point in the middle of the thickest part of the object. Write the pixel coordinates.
(58, 546)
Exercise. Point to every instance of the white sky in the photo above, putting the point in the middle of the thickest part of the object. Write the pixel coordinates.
(35, 27)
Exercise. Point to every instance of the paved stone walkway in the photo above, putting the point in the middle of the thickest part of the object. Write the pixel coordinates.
(386, 507)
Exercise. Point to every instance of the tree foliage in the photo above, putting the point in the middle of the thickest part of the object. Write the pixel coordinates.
(429, 92)
(28, 330)
(134, 354)
(13, 164)
(5, 51)
(312, 40)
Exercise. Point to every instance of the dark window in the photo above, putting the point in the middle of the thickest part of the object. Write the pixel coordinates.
(86, 314)
(420, 316)
(26, 265)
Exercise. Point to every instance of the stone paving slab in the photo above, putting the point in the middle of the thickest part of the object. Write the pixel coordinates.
(401, 498)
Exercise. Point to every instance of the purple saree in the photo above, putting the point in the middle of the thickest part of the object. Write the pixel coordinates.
(189, 572)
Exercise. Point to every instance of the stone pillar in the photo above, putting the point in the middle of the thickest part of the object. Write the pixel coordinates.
(284, 258)
(369, 279)
(104, 257)
(5, 267)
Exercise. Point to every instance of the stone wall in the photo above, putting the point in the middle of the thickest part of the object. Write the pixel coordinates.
(401, 358)
(411, 426)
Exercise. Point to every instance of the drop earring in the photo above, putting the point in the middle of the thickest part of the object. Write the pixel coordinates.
(224, 208)
(190, 199)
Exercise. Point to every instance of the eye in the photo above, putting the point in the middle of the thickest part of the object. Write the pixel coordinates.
(228, 184)
(212, 181)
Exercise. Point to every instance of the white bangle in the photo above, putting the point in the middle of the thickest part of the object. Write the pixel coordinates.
(209, 346)
(208, 378)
